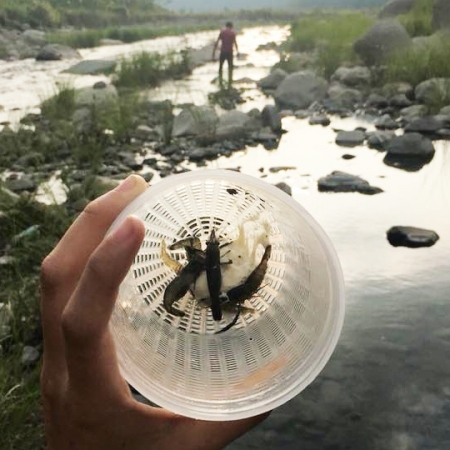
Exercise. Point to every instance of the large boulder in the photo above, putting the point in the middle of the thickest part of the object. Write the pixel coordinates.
(55, 52)
(344, 97)
(92, 67)
(195, 121)
(352, 76)
(34, 37)
(233, 124)
(273, 80)
(433, 91)
(410, 152)
(395, 8)
(381, 40)
(411, 145)
(299, 90)
(441, 14)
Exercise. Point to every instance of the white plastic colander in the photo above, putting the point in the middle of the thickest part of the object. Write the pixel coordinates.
(285, 334)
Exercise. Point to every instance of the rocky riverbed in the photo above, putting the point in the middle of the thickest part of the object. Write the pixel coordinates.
(386, 385)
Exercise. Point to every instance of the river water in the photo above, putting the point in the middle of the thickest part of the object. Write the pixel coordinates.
(387, 385)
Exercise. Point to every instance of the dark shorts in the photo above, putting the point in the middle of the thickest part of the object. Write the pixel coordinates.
(226, 56)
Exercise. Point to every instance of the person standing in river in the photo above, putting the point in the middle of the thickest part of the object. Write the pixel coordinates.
(227, 37)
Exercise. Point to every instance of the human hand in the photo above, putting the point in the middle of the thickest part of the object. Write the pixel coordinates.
(87, 403)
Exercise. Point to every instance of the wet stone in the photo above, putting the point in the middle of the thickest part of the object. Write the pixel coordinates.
(348, 156)
(281, 168)
(344, 182)
(319, 120)
(386, 122)
(284, 187)
(24, 183)
(350, 138)
(425, 125)
(379, 139)
(412, 237)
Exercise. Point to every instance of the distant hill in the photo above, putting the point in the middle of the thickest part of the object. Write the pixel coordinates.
(221, 5)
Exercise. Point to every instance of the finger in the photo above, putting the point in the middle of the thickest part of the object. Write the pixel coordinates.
(62, 269)
(90, 354)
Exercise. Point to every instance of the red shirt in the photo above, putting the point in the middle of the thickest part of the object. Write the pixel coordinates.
(227, 36)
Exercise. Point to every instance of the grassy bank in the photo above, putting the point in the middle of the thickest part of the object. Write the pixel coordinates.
(330, 35)
(418, 21)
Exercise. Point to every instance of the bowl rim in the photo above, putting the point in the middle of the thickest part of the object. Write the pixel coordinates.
(335, 315)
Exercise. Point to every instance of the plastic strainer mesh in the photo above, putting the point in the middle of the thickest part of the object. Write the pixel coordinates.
(287, 330)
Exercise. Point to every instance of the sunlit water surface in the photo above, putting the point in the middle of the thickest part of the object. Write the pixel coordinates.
(387, 386)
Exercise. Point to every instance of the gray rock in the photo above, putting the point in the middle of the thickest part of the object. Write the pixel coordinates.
(145, 132)
(386, 122)
(99, 85)
(410, 145)
(430, 91)
(400, 101)
(425, 125)
(271, 118)
(411, 237)
(273, 80)
(396, 7)
(233, 123)
(352, 76)
(30, 355)
(284, 187)
(350, 138)
(344, 97)
(92, 67)
(24, 183)
(34, 37)
(55, 52)
(30, 159)
(264, 135)
(301, 114)
(445, 111)
(376, 101)
(319, 119)
(299, 90)
(379, 139)
(343, 182)
(82, 119)
(414, 112)
(195, 120)
(441, 14)
(203, 153)
(397, 88)
(381, 40)
(347, 156)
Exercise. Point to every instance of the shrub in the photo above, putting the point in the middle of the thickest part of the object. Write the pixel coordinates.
(418, 21)
(419, 64)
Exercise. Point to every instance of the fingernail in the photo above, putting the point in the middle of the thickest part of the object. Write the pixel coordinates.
(123, 234)
(127, 185)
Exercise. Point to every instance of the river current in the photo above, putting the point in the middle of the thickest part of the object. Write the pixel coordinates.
(387, 385)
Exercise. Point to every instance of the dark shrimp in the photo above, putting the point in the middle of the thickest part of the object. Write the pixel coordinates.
(214, 274)
(180, 285)
(248, 288)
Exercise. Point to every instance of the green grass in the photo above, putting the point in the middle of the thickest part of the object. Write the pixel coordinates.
(149, 69)
(331, 35)
(417, 65)
(20, 413)
(418, 21)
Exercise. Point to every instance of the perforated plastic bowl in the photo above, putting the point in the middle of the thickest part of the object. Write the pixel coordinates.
(283, 338)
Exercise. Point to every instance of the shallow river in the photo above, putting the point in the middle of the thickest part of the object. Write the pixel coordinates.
(387, 386)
